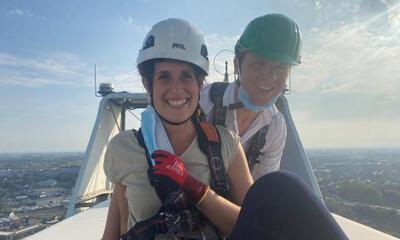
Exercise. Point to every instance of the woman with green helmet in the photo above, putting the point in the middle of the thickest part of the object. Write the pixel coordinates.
(279, 205)
(264, 54)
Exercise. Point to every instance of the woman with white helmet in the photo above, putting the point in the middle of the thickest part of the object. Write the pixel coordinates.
(160, 173)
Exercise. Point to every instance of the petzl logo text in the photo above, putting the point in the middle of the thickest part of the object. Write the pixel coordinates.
(178, 45)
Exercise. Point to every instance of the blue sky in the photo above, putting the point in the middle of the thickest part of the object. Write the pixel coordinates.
(345, 94)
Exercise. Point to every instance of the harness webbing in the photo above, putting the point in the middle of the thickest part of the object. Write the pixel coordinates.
(146, 229)
(257, 142)
(217, 95)
(209, 143)
(139, 136)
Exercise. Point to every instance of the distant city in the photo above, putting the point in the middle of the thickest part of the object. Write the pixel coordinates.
(359, 184)
(34, 190)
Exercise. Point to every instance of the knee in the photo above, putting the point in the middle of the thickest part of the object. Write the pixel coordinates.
(277, 183)
(279, 177)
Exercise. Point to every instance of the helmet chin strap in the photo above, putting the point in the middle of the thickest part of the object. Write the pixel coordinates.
(237, 104)
(172, 123)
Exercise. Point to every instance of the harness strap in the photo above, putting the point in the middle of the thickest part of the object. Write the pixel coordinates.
(139, 136)
(235, 105)
(210, 145)
(257, 142)
(217, 95)
(210, 131)
(147, 229)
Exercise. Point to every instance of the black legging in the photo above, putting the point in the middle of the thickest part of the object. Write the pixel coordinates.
(281, 206)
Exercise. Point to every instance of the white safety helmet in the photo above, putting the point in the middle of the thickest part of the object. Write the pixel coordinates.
(175, 39)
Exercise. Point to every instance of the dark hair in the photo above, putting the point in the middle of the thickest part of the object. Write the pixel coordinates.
(146, 70)
(239, 54)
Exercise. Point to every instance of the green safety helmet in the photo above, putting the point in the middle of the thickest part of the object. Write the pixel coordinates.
(273, 36)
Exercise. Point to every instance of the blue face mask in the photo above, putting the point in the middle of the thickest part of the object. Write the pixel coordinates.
(244, 98)
(154, 135)
(148, 127)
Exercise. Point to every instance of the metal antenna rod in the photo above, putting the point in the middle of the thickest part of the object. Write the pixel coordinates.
(226, 79)
(95, 82)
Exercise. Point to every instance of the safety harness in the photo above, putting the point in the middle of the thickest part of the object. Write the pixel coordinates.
(257, 142)
(183, 223)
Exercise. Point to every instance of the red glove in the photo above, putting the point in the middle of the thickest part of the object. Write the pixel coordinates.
(171, 166)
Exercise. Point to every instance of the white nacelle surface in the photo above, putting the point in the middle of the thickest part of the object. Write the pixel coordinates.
(90, 225)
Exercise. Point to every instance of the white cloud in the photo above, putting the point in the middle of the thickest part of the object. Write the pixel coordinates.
(65, 64)
(62, 69)
(137, 27)
(218, 41)
(43, 69)
(331, 13)
(128, 20)
(123, 81)
(20, 12)
(389, 98)
(349, 59)
(394, 13)
(302, 116)
(20, 80)
(350, 133)
(335, 88)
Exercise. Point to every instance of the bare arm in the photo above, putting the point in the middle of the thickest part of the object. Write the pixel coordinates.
(117, 217)
(240, 177)
(221, 211)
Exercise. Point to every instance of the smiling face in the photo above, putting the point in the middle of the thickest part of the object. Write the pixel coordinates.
(175, 90)
(263, 79)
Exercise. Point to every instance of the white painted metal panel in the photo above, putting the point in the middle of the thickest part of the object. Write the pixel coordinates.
(85, 225)
(90, 225)
(91, 181)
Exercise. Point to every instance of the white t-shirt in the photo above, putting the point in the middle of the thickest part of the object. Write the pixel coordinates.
(270, 158)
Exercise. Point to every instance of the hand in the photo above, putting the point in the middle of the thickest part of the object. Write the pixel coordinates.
(172, 167)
